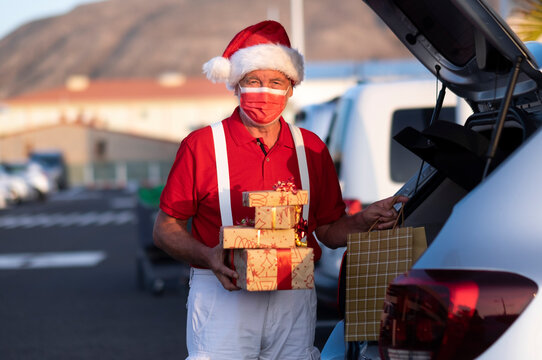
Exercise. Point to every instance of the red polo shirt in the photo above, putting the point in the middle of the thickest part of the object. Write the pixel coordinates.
(191, 188)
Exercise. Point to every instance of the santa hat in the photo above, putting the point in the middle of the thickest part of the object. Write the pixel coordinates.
(258, 47)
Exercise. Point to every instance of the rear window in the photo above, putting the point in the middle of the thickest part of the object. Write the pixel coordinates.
(403, 163)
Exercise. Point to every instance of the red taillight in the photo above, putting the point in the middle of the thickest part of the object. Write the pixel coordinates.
(353, 206)
(450, 314)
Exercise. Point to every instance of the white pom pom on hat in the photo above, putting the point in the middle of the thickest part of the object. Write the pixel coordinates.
(258, 47)
(217, 69)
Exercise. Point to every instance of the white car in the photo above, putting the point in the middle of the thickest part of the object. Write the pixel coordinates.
(474, 292)
(35, 176)
(18, 189)
(3, 196)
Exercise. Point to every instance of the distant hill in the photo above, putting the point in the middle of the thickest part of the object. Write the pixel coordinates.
(142, 38)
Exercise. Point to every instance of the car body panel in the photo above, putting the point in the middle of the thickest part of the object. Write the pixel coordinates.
(481, 224)
(522, 338)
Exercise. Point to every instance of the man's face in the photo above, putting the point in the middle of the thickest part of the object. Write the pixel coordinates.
(267, 78)
(270, 114)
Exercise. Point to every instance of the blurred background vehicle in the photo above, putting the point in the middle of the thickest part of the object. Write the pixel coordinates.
(18, 189)
(34, 175)
(3, 195)
(54, 165)
(317, 117)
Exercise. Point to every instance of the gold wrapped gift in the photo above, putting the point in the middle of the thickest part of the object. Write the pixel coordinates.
(244, 237)
(276, 217)
(275, 198)
(274, 269)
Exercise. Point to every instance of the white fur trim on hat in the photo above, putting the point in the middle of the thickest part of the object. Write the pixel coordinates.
(266, 57)
(217, 69)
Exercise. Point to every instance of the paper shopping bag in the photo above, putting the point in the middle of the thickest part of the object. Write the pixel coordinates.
(374, 259)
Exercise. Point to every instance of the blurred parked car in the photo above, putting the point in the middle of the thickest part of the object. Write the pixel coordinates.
(18, 189)
(34, 175)
(473, 293)
(317, 118)
(3, 195)
(54, 165)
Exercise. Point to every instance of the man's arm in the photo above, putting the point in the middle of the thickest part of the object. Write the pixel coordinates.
(171, 235)
(334, 235)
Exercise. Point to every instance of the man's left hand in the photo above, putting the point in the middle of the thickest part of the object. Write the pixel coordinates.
(381, 212)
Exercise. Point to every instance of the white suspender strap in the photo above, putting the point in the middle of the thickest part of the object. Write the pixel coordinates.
(302, 163)
(222, 173)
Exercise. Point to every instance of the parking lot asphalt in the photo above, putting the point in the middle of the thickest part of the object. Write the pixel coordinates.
(69, 286)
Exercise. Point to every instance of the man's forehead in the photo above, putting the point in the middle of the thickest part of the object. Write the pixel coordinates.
(269, 74)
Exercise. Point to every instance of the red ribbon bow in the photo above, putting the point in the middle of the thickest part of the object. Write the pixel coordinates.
(285, 186)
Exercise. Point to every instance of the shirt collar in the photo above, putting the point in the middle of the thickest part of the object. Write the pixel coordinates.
(240, 134)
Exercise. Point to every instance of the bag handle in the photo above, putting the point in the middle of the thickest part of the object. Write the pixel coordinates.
(401, 214)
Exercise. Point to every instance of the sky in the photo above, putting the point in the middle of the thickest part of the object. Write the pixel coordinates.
(14, 13)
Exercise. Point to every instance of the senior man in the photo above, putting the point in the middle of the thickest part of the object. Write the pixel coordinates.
(252, 149)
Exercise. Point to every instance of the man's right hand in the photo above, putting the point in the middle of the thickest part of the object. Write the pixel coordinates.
(172, 236)
(223, 273)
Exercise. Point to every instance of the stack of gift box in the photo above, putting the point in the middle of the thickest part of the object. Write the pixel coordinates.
(269, 255)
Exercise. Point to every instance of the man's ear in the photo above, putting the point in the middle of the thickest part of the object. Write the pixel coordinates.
(290, 91)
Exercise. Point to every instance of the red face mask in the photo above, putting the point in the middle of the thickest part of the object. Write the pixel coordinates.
(261, 104)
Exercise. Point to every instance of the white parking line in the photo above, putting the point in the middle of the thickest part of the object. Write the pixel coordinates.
(123, 203)
(77, 193)
(91, 218)
(51, 260)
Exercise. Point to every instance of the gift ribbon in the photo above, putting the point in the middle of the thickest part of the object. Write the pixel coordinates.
(286, 186)
(284, 269)
(301, 227)
(273, 217)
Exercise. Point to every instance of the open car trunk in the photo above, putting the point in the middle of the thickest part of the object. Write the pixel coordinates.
(474, 54)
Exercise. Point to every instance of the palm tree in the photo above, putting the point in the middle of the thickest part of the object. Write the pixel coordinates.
(526, 19)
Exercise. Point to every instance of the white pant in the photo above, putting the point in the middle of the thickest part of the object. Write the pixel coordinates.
(269, 325)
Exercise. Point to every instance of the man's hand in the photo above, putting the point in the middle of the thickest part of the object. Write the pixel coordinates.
(223, 273)
(172, 236)
(381, 212)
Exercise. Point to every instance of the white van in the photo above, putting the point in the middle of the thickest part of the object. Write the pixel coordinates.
(370, 164)
(317, 117)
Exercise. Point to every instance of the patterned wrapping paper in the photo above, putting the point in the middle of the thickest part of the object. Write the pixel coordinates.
(274, 269)
(275, 198)
(245, 237)
(275, 217)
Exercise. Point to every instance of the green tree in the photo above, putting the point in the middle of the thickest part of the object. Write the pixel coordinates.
(526, 19)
